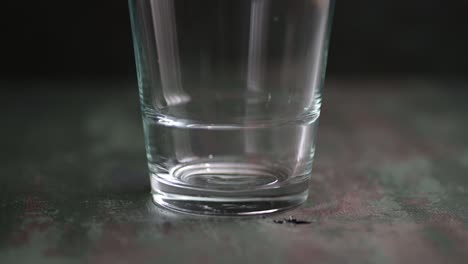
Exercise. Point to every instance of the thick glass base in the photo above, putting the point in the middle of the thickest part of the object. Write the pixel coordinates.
(223, 188)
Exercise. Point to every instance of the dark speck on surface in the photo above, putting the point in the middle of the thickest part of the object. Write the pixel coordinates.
(292, 220)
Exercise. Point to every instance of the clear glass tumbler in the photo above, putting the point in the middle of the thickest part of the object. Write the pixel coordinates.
(230, 94)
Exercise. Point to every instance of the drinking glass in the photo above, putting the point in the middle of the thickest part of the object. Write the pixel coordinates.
(230, 95)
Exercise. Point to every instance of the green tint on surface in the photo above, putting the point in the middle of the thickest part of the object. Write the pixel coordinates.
(389, 183)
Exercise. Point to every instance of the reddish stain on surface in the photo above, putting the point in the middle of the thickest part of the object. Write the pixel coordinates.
(416, 202)
(40, 226)
(343, 192)
(38, 181)
(33, 206)
(19, 239)
(119, 244)
(406, 243)
(225, 238)
(352, 204)
(307, 252)
(454, 228)
(34, 220)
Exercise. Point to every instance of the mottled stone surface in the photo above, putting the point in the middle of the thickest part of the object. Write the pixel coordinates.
(390, 183)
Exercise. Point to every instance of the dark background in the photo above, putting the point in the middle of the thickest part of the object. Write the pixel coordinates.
(92, 39)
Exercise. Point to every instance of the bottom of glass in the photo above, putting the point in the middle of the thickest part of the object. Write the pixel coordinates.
(225, 188)
(226, 207)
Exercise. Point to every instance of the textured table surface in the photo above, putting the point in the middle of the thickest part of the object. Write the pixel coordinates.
(390, 182)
